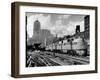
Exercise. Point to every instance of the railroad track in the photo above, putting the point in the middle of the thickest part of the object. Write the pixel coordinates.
(75, 60)
(79, 60)
(48, 61)
(39, 60)
(45, 60)
(72, 59)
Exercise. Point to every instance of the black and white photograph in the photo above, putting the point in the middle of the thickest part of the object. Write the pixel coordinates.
(57, 39)
(52, 39)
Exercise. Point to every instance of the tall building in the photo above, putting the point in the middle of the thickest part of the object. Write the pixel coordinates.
(87, 26)
(40, 36)
(86, 22)
(36, 28)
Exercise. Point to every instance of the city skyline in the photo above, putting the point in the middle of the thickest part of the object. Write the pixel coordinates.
(56, 24)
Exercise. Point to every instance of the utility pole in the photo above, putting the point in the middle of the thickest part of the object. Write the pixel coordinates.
(45, 42)
(70, 40)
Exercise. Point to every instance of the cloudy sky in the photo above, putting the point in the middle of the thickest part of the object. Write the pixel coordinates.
(57, 23)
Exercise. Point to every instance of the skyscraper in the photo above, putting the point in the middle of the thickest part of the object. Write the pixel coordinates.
(86, 23)
(36, 28)
(40, 36)
(87, 26)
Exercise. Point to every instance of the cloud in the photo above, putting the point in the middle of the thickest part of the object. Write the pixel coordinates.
(76, 18)
(45, 21)
(57, 24)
